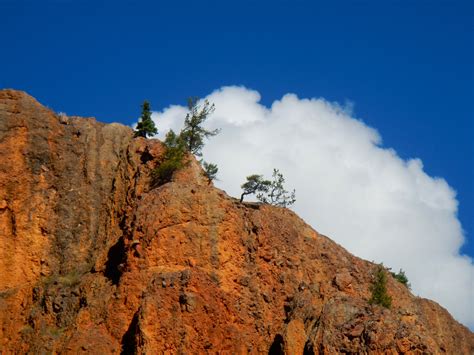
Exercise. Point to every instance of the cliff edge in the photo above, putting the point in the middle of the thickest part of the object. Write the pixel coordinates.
(92, 260)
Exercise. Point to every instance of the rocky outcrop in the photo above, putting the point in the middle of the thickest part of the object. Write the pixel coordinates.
(95, 261)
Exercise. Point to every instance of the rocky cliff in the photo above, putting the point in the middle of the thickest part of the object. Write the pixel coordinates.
(92, 260)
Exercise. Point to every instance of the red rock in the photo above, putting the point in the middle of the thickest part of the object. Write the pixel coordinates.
(343, 281)
(212, 276)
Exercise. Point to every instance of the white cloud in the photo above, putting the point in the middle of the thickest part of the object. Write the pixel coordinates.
(377, 205)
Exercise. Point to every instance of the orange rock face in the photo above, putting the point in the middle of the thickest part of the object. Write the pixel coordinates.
(92, 260)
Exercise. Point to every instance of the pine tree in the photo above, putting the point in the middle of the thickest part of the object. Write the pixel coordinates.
(402, 278)
(379, 288)
(190, 140)
(146, 126)
(276, 194)
(193, 133)
(271, 192)
(210, 170)
(173, 159)
(255, 183)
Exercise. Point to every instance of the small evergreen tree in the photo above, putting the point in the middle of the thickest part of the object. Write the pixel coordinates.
(190, 139)
(173, 159)
(145, 126)
(276, 194)
(210, 170)
(402, 278)
(193, 134)
(254, 184)
(379, 288)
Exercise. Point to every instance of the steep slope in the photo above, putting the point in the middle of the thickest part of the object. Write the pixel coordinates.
(94, 261)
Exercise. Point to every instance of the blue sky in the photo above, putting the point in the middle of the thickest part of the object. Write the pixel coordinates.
(407, 66)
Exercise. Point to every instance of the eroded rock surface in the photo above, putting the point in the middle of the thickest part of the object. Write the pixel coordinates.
(94, 261)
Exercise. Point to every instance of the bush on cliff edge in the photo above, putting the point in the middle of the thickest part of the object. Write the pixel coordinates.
(379, 288)
(190, 140)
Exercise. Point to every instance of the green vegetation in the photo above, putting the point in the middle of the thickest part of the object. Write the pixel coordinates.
(402, 278)
(173, 159)
(210, 170)
(53, 332)
(276, 194)
(27, 330)
(71, 279)
(146, 126)
(379, 288)
(193, 133)
(271, 192)
(255, 183)
(189, 140)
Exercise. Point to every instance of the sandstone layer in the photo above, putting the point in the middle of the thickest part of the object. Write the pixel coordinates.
(93, 260)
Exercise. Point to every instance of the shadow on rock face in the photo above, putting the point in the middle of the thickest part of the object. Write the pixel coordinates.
(277, 346)
(115, 257)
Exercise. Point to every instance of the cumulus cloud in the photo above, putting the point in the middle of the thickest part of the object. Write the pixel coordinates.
(365, 197)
